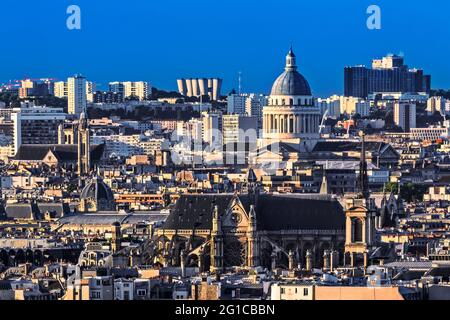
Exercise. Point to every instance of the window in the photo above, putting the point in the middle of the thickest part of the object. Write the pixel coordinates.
(95, 295)
(358, 231)
(141, 293)
(305, 291)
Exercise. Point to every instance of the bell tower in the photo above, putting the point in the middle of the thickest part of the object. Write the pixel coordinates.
(216, 242)
(360, 213)
(84, 155)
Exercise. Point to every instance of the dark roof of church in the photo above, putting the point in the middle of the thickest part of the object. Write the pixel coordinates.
(273, 212)
(64, 152)
(341, 146)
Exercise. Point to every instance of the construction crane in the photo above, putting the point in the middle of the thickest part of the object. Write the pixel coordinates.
(322, 124)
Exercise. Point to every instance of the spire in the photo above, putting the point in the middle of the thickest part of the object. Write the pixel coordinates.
(291, 61)
(363, 179)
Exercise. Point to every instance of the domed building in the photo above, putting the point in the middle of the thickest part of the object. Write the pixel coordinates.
(96, 196)
(291, 116)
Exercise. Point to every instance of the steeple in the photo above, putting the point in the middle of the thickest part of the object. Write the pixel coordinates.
(291, 61)
(363, 179)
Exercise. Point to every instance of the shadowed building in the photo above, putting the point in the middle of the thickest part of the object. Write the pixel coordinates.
(65, 156)
(216, 232)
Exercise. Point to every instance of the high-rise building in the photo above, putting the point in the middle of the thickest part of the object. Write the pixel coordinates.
(136, 89)
(436, 104)
(36, 125)
(338, 105)
(239, 129)
(32, 88)
(405, 115)
(117, 87)
(107, 97)
(200, 87)
(388, 74)
(77, 98)
(212, 128)
(254, 105)
(91, 87)
(236, 104)
(129, 89)
(60, 89)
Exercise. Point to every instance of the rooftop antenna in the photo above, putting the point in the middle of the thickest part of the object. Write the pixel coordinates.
(240, 82)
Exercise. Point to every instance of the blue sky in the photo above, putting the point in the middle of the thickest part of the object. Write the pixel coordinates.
(160, 40)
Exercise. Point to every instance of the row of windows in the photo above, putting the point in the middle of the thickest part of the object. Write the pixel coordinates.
(291, 102)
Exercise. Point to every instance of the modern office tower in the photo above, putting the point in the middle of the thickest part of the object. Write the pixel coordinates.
(200, 87)
(212, 128)
(238, 128)
(405, 115)
(138, 89)
(236, 104)
(436, 104)
(60, 89)
(388, 74)
(76, 88)
(90, 90)
(36, 125)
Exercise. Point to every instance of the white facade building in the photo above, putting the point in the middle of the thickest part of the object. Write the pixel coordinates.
(77, 98)
(405, 115)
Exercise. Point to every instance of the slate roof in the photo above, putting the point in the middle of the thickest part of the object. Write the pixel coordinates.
(19, 211)
(35, 211)
(109, 219)
(58, 210)
(273, 212)
(342, 146)
(65, 152)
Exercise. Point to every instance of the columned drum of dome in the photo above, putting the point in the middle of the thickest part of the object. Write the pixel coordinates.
(291, 114)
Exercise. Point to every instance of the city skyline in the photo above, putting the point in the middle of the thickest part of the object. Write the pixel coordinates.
(238, 48)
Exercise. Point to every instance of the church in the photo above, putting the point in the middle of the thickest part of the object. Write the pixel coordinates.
(220, 231)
